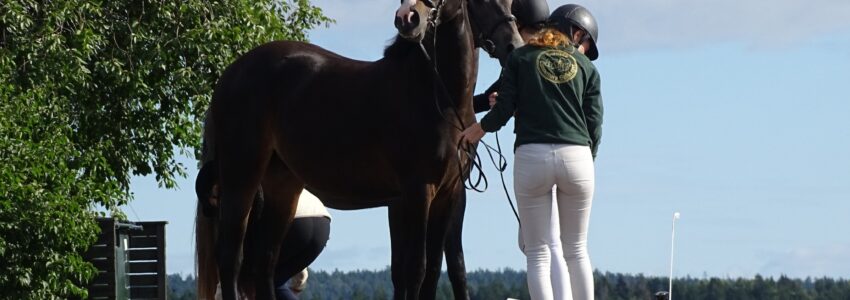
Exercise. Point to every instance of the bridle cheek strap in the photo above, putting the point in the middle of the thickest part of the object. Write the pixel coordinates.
(485, 41)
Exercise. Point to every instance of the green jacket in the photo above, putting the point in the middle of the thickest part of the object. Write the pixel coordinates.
(555, 93)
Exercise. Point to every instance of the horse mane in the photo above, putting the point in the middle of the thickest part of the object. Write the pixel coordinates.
(399, 47)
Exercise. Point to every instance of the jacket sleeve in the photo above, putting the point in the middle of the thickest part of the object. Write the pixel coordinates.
(481, 102)
(506, 101)
(592, 107)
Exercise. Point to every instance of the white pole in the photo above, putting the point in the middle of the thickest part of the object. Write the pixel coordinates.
(672, 243)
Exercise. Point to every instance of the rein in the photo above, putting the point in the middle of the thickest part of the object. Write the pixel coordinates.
(465, 149)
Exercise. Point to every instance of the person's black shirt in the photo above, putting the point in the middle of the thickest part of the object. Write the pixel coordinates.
(481, 102)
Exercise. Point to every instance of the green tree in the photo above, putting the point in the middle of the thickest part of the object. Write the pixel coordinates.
(715, 289)
(601, 285)
(640, 288)
(93, 92)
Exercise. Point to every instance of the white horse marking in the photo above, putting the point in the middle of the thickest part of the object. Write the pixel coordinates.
(406, 10)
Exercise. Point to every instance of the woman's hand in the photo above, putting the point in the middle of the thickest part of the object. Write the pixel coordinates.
(473, 134)
(492, 98)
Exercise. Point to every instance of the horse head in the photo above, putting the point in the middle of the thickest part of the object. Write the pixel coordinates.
(491, 21)
(413, 17)
(494, 27)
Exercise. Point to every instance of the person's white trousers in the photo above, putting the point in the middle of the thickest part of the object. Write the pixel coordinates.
(537, 169)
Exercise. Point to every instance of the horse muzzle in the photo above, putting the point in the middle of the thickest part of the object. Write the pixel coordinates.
(407, 23)
(412, 22)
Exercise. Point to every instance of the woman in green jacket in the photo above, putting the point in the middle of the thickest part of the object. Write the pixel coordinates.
(553, 89)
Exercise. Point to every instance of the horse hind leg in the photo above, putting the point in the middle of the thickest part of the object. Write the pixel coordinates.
(249, 265)
(281, 190)
(242, 161)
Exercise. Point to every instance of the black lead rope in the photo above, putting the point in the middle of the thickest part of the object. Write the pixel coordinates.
(468, 149)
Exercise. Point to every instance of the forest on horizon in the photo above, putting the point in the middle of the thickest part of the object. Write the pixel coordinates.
(507, 283)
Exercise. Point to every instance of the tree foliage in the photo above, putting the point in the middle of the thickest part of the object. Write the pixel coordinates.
(93, 92)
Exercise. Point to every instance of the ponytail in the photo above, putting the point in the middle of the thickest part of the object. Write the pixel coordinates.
(549, 37)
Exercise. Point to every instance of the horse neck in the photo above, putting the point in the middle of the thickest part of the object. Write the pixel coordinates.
(457, 60)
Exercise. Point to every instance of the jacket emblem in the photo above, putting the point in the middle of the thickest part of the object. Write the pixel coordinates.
(556, 66)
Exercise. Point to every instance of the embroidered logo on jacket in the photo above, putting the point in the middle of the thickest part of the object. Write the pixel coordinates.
(556, 66)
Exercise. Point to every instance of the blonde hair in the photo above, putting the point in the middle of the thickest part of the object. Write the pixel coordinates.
(549, 37)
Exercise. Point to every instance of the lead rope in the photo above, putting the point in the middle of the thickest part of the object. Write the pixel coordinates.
(467, 149)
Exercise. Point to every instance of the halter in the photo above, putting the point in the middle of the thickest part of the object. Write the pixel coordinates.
(433, 21)
(433, 14)
(484, 40)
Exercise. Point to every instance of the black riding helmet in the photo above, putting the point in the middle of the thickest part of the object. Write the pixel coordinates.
(569, 15)
(533, 13)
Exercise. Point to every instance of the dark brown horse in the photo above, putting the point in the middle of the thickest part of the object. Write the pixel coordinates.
(290, 115)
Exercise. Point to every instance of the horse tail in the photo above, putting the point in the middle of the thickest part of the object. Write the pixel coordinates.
(206, 263)
(205, 259)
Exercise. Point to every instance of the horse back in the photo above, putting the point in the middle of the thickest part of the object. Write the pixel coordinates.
(364, 120)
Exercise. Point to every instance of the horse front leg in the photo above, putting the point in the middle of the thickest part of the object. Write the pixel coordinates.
(397, 234)
(410, 231)
(440, 220)
(455, 263)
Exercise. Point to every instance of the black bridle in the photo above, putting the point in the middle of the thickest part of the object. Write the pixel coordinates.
(484, 40)
(433, 13)
(484, 37)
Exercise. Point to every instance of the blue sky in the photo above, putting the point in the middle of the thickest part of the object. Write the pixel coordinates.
(734, 113)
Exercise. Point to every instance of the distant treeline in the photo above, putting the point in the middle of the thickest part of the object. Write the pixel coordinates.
(497, 285)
